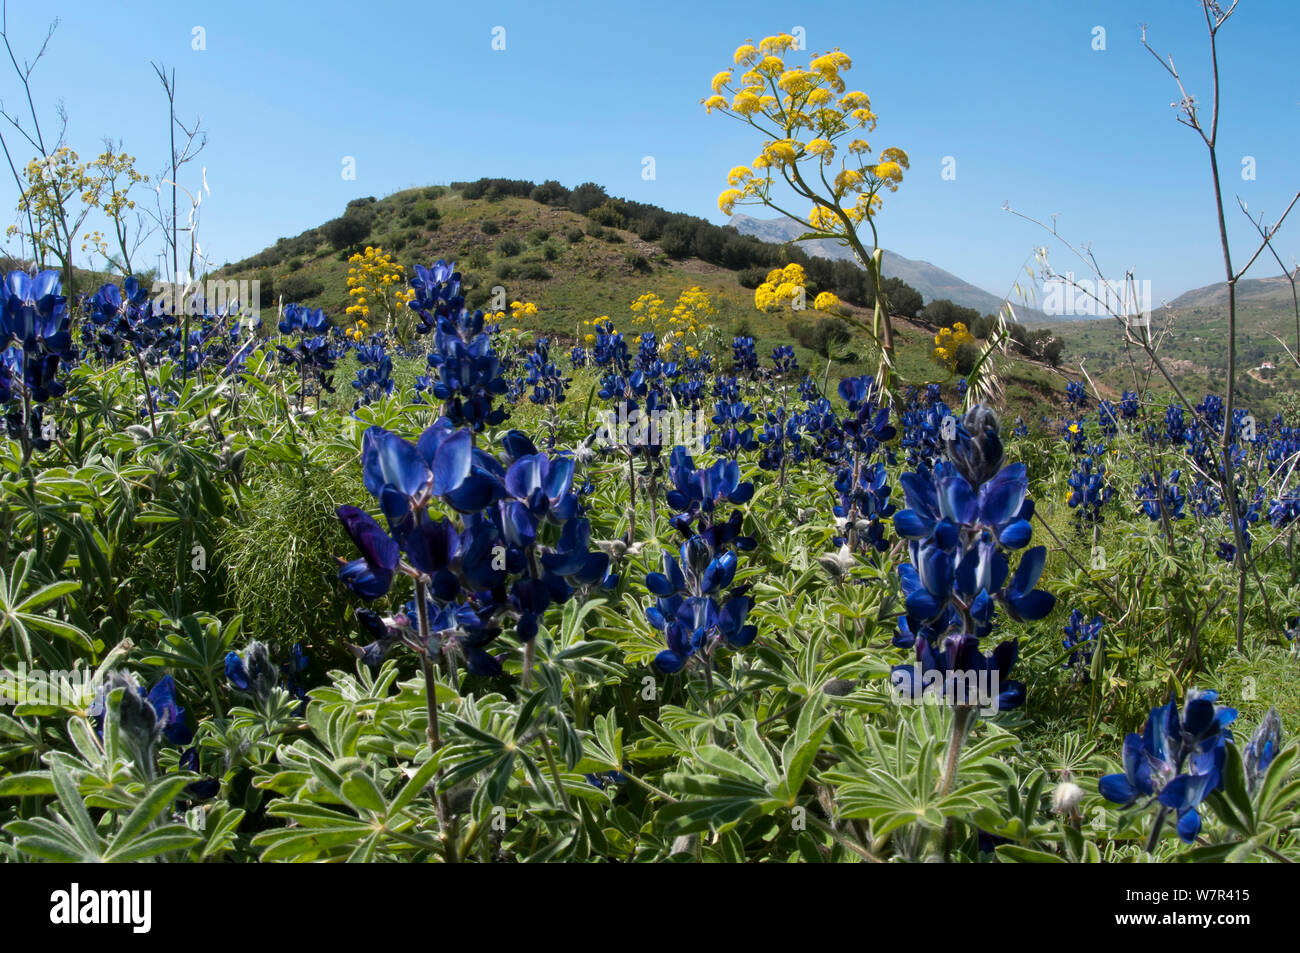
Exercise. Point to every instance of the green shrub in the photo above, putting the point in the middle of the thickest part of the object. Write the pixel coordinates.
(550, 192)
(610, 214)
(351, 228)
(825, 337)
(586, 197)
(266, 289)
(299, 287)
(967, 355)
(535, 272)
(424, 212)
(279, 552)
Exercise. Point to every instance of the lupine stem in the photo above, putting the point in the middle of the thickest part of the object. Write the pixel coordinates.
(148, 397)
(1154, 839)
(555, 771)
(631, 483)
(445, 825)
(527, 677)
(961, 721)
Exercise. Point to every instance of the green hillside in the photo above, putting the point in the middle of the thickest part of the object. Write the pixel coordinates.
(575, 269)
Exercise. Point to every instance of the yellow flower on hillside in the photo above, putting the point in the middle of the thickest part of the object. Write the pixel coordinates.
(827, 301)
(376, 283)
(522, 309)
(674, 326)
(948, 342)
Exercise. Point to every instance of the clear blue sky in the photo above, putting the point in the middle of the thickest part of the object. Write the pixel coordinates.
(1013, 90)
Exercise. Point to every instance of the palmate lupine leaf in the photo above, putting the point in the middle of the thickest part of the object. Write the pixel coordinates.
(18, 607)
(71, 835)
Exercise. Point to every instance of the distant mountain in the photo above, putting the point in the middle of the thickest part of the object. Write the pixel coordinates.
(930, 280)
(1254, 292)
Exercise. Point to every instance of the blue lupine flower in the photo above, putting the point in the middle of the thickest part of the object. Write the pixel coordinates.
(374, 377)
(299, 319)
(999, 505)
(34, 342)
(962, 513)
(744, 358)
(1264, 745)
(312, 353)
(145, 718)
(975, 449)
(541, 374)
(1211, 408)
(697, 608)
(201, 790)
(251, 671)
(605, 779)
(1081, 637)
(958, 671)
(1285, 510)
(1089, 491)
(1175, 428)
(371, 575)
(729, 438)
(1152, 493)
(783, 359)
(1128, 405)
(864, 505)
(1177, 760)
(469, 379)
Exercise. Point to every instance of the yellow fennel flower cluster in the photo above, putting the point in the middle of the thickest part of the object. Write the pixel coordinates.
(804, 112)
(646, 309)
(828, 302)
(522, 309)
(784, 288)
(377, 288)
(679, 327)
(948, 341)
